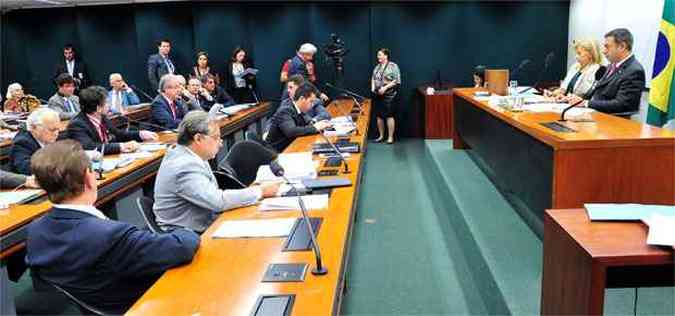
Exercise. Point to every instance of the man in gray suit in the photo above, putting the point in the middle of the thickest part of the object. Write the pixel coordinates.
(64, 101)
(186, 191)
(160, 64)
(10, 180)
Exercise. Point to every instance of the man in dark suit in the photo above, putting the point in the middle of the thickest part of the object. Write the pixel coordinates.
(103, 262)
(95, 132)
(302, 65)
(291, 122)
(43, 126)
(218, 94)
(160, 64)
(167, 113)
(73, 66)
(620, 89)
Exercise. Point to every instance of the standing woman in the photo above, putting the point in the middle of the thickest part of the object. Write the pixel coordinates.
(202, 68)
(385, 85)
(240, 86)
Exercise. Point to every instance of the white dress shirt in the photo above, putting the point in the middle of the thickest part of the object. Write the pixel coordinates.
(89, 209)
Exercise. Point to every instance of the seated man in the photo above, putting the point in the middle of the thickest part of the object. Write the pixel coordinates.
(120, 96)
(166, 112)
(317, 112)
(195, 96)
(103, 262)
(186, 191)
(95, 132)
(621, 87)
(291, 122)
(64, 101)
(219, 95)
(43, 126)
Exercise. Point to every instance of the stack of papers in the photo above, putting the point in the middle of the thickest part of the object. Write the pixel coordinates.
(312, 202)
(297, 166)
(661, 230)
(255, 228)
(150, 147)
(233, 109)
(110, 164)
(659, 218)
(17, 197)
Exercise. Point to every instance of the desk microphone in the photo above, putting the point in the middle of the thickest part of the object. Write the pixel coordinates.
(278, 171)
(562, 115)
(349, 116)
(327, 84)
(337, 151)
(99, 170)
(43, 101)
(142, 92)
(158, 127)
(356, 102)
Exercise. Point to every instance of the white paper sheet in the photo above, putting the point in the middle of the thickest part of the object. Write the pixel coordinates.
(312, 202)
(661, 230)
(7, 198)
(257, 228)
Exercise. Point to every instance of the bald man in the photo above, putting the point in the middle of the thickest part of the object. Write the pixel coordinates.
(120, 96)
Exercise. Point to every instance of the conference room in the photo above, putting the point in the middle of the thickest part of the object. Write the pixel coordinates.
(174, 157)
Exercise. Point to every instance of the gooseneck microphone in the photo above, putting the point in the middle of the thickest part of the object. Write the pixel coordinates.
(337, 151)
(278, 171)
(562, 115)
(157, 127)
(142, 92)
(342, 90)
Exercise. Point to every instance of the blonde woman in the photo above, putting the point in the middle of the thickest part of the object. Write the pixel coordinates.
(17, 101)
(581, 75)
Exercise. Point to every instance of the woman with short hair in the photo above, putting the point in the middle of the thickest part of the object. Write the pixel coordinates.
(385, 83)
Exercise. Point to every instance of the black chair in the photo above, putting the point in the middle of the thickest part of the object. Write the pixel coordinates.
(144, 205)
(85, 308)
(239, 168)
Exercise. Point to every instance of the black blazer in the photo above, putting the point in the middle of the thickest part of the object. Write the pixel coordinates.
(80, 68)
(106, 263)
(229, 78)
(287, 124)
(621, 91)
(82, 130)
(24, 145)
(220, 97)
(161, 114)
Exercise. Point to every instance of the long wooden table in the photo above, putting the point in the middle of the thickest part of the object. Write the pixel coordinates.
(582, 258)
(115, 183)
(608, 160)
(225, 275)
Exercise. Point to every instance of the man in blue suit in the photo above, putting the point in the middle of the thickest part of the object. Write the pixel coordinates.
(167, 112)
(120, 96)
(103, 262)
(160, 64)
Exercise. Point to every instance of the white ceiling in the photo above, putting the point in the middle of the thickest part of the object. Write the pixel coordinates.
(8, 5)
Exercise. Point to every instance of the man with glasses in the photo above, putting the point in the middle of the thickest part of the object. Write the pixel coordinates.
(43, 126)
(186, 191)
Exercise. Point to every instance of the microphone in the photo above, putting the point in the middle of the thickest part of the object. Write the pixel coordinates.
(43, 101)
(349, 117)
(338, 152)
(99, 170)
(327, 84)
(158, 127)
(520, 67)
(255, 95)
(356, 102)
(562, 115)
(142, 92)
(278, 171)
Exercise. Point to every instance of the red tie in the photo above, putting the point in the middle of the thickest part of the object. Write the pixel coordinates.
(173, 109)
(102, 132)
(612, 69)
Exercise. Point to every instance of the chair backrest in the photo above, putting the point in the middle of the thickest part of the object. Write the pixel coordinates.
(246, 157)
(144, 205)
(85, 308)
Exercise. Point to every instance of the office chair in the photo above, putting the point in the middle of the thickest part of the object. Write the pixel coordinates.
(144, 205)
(85, 308)
(240, 166)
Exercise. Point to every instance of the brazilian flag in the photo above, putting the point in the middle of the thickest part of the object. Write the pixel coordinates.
(662, 91)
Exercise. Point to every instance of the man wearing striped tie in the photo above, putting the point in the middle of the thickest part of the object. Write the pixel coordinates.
(160, 64)
(64, 101)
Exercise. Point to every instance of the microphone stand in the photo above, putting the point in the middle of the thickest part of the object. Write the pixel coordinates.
(319, 269)
(562, 115)
(142, 92)
(339, 153)
(99, 170)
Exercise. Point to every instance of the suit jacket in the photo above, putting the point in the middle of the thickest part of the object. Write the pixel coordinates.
(80, 68)
(83, 130)
(57, 103)
(10, 180)
(187, 193)
(297, 66)
(220, 97)
(620, 91)
(161, 113)
(24, 145)
(106, 263)
(128, 98)
(317, 112)
(158, 68)
(287, 124)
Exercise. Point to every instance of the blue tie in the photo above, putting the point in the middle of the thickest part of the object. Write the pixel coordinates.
(70, 106)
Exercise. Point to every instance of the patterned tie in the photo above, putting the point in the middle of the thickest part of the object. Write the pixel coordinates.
(612, 69)
(169, 65)
(70, 106)
(173, 109)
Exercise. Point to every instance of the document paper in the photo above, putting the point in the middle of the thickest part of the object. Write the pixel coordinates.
(256, 228)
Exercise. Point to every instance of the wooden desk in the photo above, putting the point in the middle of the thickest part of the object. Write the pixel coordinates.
(609, 160)
(437, 111)
(582, 258)
(139, 112)
(224, 276)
